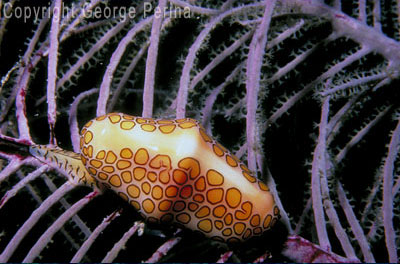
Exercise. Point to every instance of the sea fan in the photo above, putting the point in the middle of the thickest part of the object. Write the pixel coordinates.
(303, 91)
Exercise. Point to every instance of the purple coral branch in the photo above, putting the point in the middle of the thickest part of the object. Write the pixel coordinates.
(209, 103)
(396, 187)
(219, 58)
(72, 27)
(52, 69)
(20, 88)
(285, 69)
(360, 134)
(336, 122)
(356, 82)
(37, 198)
(22, 183)
(194, 8)
(376, 14)
(105, 86)
(151, 63)
(300, 223)
(57, 225)
(26, 59)
(346, 25)
(390, 234)
(128, 71)
(89, 54)
(309, 87)
(319, 167)
(72, 120)
(354, 224)
(253, 67)
(33, 219)
(362, 11)
(4, 20)
(183, 91)
(272, 187)
(85, 28)
(285, 34)
(301, 250)
(125, 77)
(11, 167)
(93, 236)
(332, 214)
(262, 258)
(75, 218)
(224, 257)
(341, 24)
(113, 253)
(163, 250)
(20, 106)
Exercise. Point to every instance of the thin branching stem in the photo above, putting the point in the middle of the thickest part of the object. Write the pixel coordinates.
(308, 88)
(253, 67)
(196, 9)
(163, 250)
(11, 167)
(33, 219)
(362, 11)
(318, 168)
(89, 54)
(113, 253)
(93, 236)
(189, 61)
(105, 86)
(73, 121)
(151, 63)
(52, 69)
(376, 14)
(22, 183)
(354, 224)
(49, 233)
(390, 233)
(207, 109)
(360, 134)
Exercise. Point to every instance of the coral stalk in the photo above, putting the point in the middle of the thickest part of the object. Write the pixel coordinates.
(183, 91)
(22, 183)
(163, 250)
(318, 167)
(388, 169)
(224, 257)
(354, 224)
(357, 138)
(105, 86)
(72, 120)
(89, 54)
(46, 236)
(207, 110)
(253, 67)
(302, 250)
(93, 236)
(113, 253)
(33, 219)
(11, 167)
(308, 88)
(151, 63)
(52, 68)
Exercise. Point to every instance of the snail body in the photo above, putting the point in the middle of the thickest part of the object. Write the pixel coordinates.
(171, 171)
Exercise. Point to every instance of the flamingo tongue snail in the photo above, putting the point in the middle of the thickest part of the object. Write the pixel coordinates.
(170, 171)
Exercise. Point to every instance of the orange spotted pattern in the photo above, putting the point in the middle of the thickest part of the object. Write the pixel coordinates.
(171, 171)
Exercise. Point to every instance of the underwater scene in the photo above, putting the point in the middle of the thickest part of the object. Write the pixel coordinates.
(200, 131)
